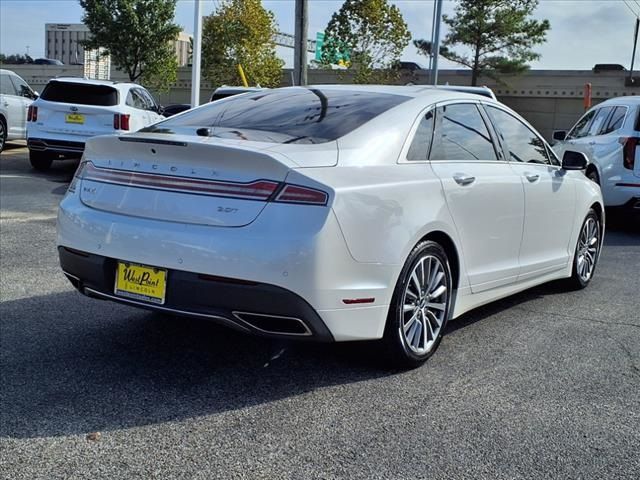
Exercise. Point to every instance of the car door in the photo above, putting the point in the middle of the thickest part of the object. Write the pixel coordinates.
(150, 106)
(483, 194)
(140, 114)
(549, 195)
(25, 98)
(12, 104)
(576, 139)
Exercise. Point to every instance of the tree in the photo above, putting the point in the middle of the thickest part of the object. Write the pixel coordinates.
(138, 35)
(499, 34)
(240, 32)
(370, 35)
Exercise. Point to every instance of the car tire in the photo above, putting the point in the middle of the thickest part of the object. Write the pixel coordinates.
(587, 252)
(3, 134)
(592, 174)
(40, 161)
(420, 307)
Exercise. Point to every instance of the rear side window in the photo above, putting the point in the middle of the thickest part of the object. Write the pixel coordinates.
(597, 127)
(6, 86)
(419, 149)
(616, 120)
(524, 144)
(80, 94)
(291, 115)
(461, 134)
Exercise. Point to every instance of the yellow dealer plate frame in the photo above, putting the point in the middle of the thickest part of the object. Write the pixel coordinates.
(141, 282)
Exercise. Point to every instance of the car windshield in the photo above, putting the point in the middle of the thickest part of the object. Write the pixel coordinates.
(289, 115)
(80, 93)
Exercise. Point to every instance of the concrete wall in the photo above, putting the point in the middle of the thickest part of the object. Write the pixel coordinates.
(549, 99)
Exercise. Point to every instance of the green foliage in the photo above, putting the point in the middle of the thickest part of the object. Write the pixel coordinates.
(138, 34)
(499, 34)
(240, 32)
(15, 59)
(371, 33)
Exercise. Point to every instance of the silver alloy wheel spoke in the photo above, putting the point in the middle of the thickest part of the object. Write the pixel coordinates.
(588, 249)
(424, 305)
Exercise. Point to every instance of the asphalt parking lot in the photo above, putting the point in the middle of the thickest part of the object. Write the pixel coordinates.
(545, 384)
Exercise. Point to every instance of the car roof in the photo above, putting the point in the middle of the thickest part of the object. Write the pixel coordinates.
(2, 70)
(237, 89)
(90, 81)
(628, 100)
(438, 93)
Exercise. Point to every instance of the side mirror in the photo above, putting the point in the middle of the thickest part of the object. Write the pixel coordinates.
(574, 160)
(160, 110)
(560, 135)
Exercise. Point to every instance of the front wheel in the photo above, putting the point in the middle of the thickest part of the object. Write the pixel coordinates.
(3, 134)
(40, 161)
(587, 251)
(420, 307)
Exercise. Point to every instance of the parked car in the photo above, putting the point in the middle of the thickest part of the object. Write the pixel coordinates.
(330, 213)
(174, 109)
(47, 61)
(72, 110)
(226, 91)
(15, 97)
(609, 134)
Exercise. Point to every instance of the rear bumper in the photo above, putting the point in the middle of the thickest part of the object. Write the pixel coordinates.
(63, 147)
(250, 307)
(291, 253)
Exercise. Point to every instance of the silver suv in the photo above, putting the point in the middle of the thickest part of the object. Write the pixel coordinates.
(15, 97)
(609, 134)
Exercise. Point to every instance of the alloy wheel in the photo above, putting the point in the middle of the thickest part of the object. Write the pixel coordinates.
(2, 133)
(424, 305)
(588, 245)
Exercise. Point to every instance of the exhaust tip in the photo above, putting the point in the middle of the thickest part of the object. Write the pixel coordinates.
(274, 324)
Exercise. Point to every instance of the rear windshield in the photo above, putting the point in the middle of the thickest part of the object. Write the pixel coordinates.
(288, 115)
(80, 93)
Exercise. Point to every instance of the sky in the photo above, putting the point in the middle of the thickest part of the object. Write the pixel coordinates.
(583, 32)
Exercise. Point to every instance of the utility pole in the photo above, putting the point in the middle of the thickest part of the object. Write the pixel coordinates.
(300, 45)
(435, 47)
(635, 44)
(197, 51)
(433, 28)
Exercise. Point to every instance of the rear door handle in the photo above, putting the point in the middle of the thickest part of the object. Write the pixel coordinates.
(532, 177)
(462, 179)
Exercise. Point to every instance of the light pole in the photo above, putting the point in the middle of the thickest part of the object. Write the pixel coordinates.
(435, 47)
(300, 43)
(197, 50)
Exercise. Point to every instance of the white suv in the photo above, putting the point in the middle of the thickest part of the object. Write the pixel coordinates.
(15, 97)
(72, 110)
(609, 134)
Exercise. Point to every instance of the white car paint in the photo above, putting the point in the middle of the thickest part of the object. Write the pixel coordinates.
(605, 150)
(508, 233)
(51, 131)
(15, 98)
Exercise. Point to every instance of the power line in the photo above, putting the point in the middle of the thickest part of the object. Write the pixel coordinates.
(631, 9)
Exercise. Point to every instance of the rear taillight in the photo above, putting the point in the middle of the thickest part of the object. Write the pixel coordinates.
(629, 145)
(262, 190)
(304, 195)
(77, 176)
(32, 114)
(121, 121)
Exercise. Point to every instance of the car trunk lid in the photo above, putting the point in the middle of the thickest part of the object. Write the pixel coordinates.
(182, 179)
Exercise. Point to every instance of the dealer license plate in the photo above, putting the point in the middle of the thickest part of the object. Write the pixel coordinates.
(74, 118)
(141, 282)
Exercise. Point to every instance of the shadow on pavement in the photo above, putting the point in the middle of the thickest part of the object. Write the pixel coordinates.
(72, 365)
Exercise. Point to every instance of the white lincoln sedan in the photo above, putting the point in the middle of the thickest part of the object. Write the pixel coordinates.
(330, 213)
